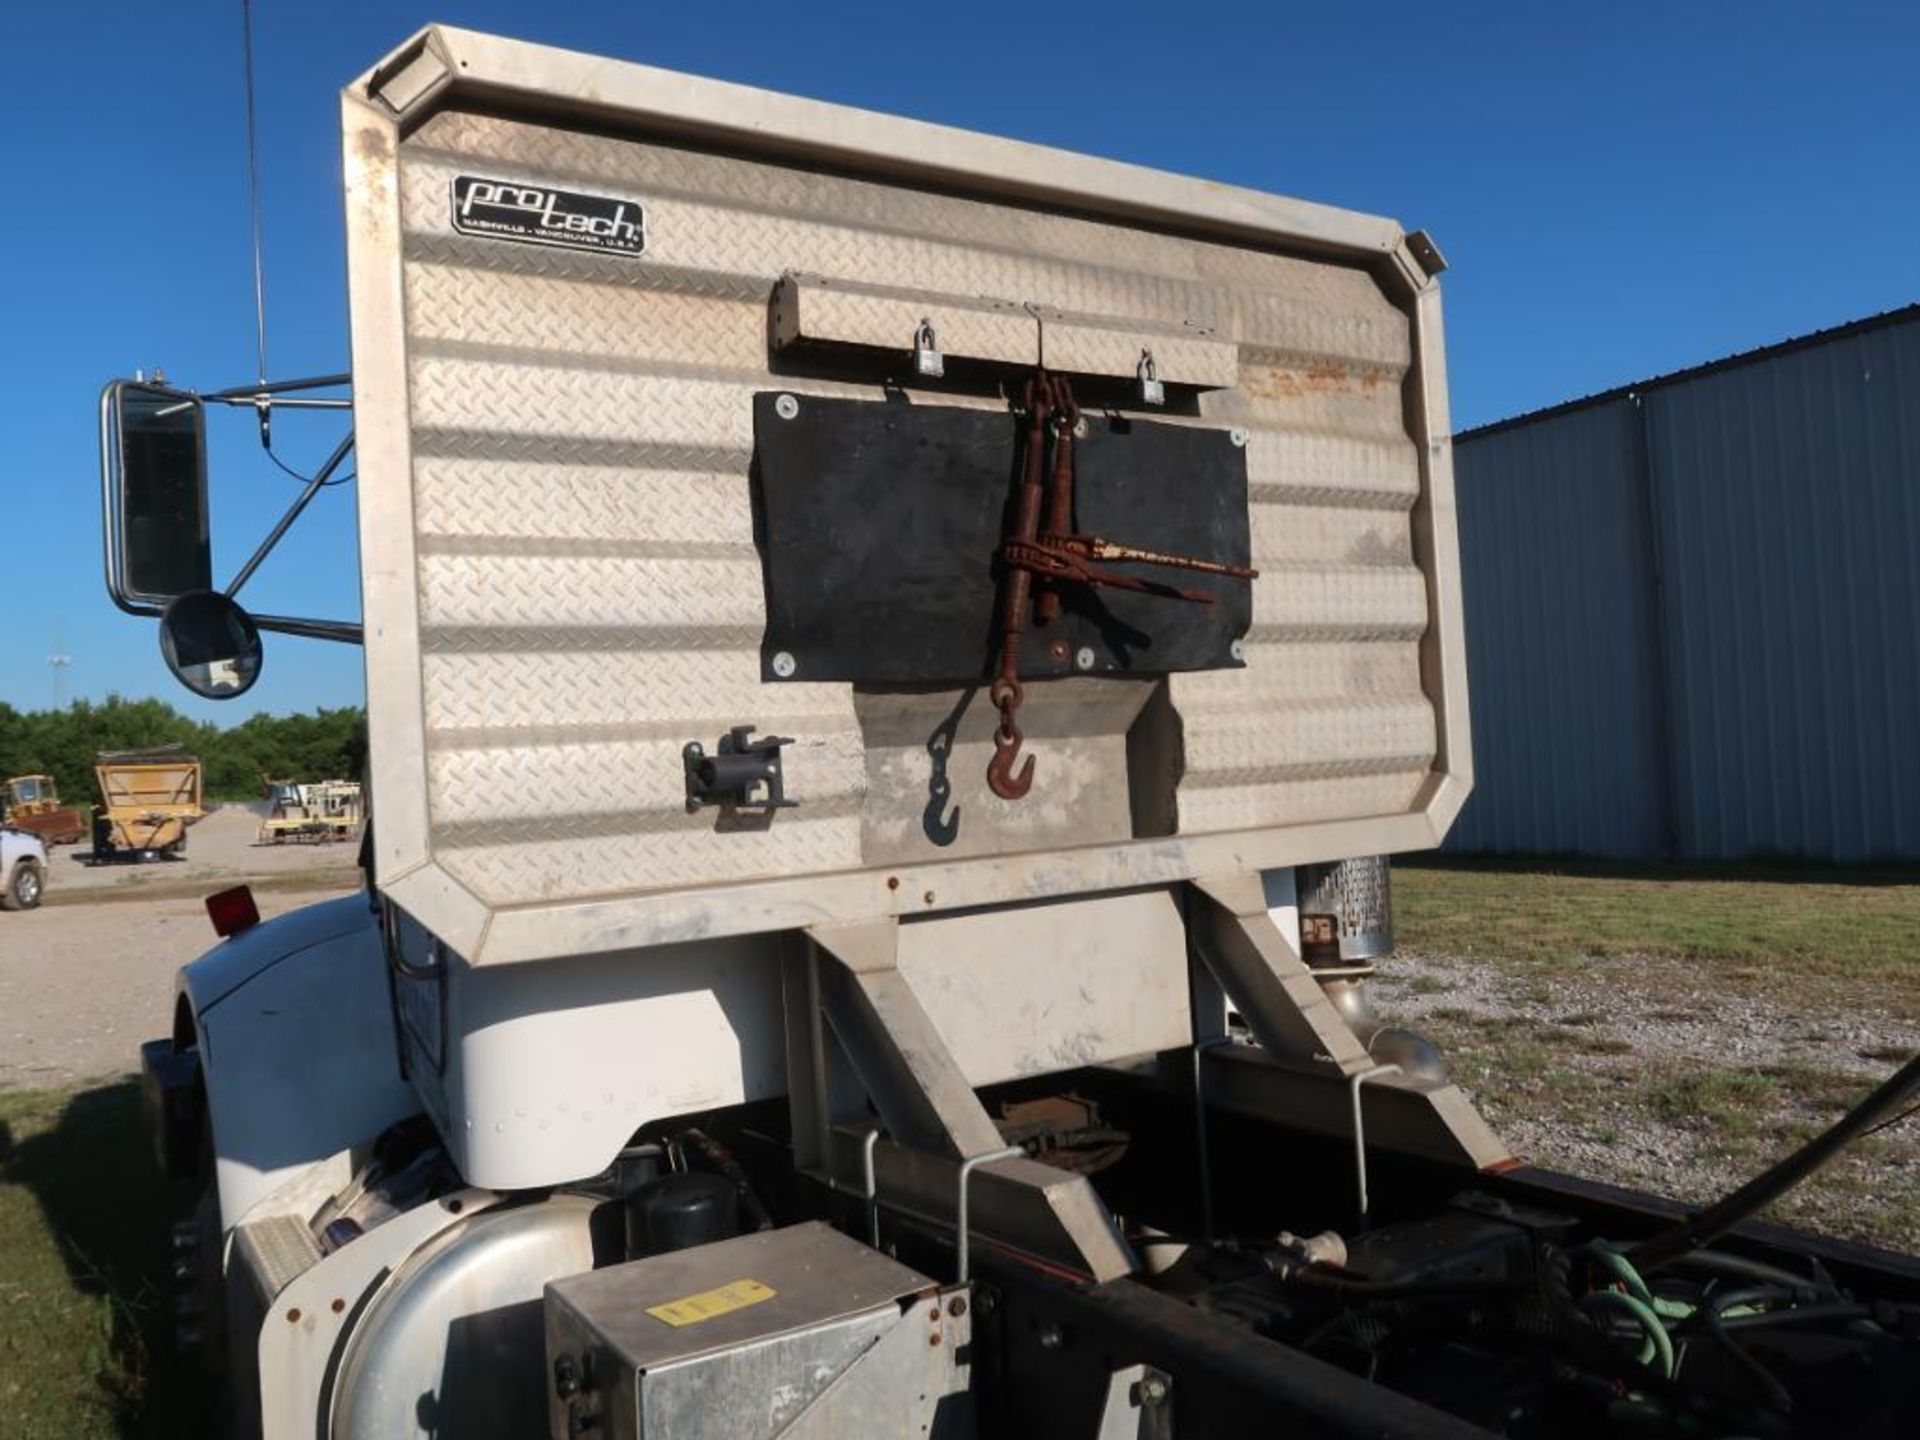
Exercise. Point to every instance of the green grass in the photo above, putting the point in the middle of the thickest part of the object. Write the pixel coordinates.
(1725, 1106)
(1860, 926)
(85, 1315)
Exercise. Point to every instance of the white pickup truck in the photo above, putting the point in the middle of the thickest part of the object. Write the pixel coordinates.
(23, 869)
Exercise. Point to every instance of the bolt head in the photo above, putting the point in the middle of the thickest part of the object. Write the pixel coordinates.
(1238, 649)
(786, 407)
(1083, 658)
(784, 665)
(1237, 435)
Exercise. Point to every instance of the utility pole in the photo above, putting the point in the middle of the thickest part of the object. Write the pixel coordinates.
(58, 662)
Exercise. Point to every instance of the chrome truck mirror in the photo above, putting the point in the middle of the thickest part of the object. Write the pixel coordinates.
(210, 644)
(157, 541)
(154, 470)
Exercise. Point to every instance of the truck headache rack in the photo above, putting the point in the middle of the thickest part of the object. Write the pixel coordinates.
(622, 386)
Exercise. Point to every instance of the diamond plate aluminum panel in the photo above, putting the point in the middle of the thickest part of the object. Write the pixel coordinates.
(563, 564)
(886, 317)
(1093, 345)
(900, 237)
(656, 359)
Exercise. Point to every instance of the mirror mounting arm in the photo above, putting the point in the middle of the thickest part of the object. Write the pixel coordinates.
(300, 503)
(114, 540)
(262, 400)
(343, 631)
(247, 394)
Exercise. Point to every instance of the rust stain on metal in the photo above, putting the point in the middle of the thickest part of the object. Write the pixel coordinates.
(1290, 382)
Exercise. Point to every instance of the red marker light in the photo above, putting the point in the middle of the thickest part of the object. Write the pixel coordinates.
(233, 911)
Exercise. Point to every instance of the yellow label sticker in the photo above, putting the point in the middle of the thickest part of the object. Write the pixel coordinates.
(722, 1300)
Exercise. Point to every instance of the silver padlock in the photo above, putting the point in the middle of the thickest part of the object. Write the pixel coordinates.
(927, 362)
(1152, 392)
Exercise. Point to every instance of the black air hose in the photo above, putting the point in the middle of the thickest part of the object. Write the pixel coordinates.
(1709, 1224)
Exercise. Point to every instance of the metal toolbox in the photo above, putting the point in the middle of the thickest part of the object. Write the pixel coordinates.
(798, 1333)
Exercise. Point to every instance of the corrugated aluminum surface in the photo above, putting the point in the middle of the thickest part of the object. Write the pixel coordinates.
(1556, 554)
(586, 593)
(1790, 510)
(1785, 496)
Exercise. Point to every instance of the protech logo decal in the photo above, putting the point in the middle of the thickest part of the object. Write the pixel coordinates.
(515, 210)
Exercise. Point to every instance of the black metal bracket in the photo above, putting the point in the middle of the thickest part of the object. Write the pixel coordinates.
(742, 773)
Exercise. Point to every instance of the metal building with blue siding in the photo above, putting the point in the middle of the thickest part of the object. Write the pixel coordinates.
(1693, 611)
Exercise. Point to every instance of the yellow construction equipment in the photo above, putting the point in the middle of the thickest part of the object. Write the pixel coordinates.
(33, 804)
(316, 813)
(148, 798)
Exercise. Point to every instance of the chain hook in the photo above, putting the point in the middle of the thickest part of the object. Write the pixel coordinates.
(1001, 778)
(1044, 393)
(1006, 695)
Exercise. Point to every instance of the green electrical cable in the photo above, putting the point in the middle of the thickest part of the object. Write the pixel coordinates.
(1670, 1309)
(1659, 1345)
(1623, 1271)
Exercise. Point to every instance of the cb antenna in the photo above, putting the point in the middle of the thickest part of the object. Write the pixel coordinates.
(262, 407)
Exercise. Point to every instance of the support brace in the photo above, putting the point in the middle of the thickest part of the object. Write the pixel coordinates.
(1308, 1056)
(1265, 978)
(931, 1113)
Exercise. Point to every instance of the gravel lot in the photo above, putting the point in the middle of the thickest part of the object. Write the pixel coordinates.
(89, 975)
(1676, 1077)
(221, 847)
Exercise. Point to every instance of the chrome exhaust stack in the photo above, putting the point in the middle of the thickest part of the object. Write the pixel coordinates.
(1346, 927)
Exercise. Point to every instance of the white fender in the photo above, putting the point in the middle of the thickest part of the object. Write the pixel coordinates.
(296, 1044)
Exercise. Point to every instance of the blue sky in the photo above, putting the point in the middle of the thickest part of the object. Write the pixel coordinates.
(1620, 190)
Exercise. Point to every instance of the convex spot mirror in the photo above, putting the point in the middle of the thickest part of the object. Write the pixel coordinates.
(210, 644)
(155, 453)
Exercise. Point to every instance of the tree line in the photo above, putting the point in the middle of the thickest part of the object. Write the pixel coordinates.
(321, 745)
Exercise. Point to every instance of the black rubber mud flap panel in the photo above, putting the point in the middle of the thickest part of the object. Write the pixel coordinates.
(879, 526)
